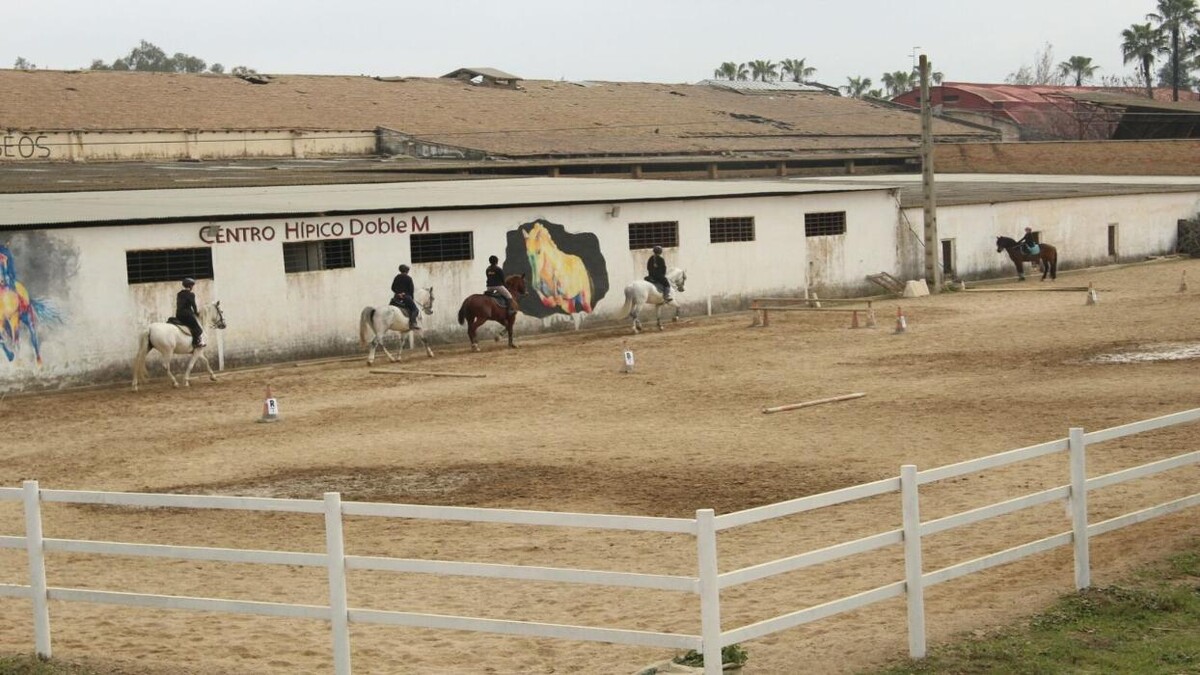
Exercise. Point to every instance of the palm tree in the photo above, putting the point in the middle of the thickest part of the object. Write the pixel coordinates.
(763, 70)
(796, 70)
(1174, 17)
(1141, 43)
(727, 71)
(1079, 66)
(897, 82)
(857, 86)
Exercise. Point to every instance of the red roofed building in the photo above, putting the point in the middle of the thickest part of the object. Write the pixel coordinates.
(1031, 112)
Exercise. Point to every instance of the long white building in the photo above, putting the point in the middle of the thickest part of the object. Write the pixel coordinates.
(82, 273)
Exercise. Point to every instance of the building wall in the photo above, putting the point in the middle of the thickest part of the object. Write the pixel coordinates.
(90, 316)
(78, 146)
(1078, 228)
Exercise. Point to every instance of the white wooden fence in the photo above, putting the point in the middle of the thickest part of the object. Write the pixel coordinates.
(708, 582)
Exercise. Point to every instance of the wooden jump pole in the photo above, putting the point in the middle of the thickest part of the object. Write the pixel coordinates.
(794, 406)
(425, 372)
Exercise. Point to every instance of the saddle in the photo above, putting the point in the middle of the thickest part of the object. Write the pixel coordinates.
(180, 325)
(1032, 249)
(662, 288)
(500, 299)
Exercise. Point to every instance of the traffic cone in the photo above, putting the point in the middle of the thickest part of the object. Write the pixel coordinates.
(854, 319)
(1183, 283)
(901, 322)
(1092, 297)
(270, 411)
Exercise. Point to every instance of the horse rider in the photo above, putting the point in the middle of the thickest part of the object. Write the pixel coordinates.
(403, 293)
(495, 283)
(186, 312)
(1029, 243)
(656, 273)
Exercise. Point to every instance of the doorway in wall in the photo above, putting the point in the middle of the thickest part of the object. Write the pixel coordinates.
(949, 263)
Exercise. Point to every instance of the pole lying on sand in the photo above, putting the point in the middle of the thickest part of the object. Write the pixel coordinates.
(425, 372)
(794, 406)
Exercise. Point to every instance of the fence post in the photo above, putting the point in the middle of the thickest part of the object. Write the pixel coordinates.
(335, 552)
(1079, 509)
(710, 593)
(34, 548)
(913, 583)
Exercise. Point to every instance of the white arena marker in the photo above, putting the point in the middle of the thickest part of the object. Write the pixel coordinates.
(628, 361)
(270, 411)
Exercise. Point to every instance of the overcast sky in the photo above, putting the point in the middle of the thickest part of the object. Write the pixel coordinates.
(615, 40)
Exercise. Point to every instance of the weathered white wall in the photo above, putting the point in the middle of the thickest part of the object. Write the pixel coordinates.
(168, 145)
(1078, 228)
(274, 315)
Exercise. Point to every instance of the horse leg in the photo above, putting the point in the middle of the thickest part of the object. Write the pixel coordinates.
(508, 326)
(425, 344)
(1020, 269)
(675, 304)
(383, 346)
(633, 316)
(211, 375)
(658, 316)
(187, 372)
(166, 357)
(473, 324)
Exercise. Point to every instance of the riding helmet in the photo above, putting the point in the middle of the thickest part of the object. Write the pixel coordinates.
(188, 282)
(493, 259)
(404, 268)
(658, 249)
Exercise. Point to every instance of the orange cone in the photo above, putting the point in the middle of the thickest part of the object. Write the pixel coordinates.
(270, 411)
(854, 319)
(901, 322)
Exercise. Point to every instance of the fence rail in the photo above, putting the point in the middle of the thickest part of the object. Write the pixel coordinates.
(707, 583)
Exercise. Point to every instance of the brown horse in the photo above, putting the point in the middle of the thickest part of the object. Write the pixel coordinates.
(1047, 257)
(478, 309)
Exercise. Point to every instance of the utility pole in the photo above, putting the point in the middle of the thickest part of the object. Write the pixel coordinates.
(933, 273)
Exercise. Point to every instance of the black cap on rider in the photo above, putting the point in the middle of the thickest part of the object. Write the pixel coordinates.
(658, 249)
(403, 268)
(188, 282)
(493, 259)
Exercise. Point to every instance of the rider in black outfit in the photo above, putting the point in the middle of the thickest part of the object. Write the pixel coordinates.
(656, 273)
(186, 311)
(495, 283)
(402, 296)
(1028, 241)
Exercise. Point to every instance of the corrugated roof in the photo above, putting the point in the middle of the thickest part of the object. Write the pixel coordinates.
(758, 86)
(542, 119)
(200, 204)
(1131, 101)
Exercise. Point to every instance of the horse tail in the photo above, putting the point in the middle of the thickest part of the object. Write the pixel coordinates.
(627, 308)
(364, 322)
(139, 361)
(462, 313)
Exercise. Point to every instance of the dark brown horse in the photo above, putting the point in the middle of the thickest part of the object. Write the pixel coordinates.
(478, 309)
(1047, 257)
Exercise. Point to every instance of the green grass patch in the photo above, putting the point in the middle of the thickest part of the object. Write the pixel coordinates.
(1150, 623)
(31, 665)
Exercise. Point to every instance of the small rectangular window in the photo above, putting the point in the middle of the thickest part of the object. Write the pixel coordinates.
(948, 257)
(663, 233)
(172, 264)
(721, 230)
(441, 247)
(824, 224)
(311, 256)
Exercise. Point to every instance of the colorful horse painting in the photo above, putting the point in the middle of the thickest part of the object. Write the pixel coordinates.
(1046, 257)
(560, 280)
(478, 309)
(17, 309)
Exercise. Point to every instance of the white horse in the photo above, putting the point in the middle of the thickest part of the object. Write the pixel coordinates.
(379, 320)
(643, 292)
(171, 339)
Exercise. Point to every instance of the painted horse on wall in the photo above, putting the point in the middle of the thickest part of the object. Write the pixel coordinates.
(17, 310)
(560, 280)
(480, 308)
(1046, 257)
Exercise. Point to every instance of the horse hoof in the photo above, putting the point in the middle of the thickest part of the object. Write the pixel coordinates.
(474, 348)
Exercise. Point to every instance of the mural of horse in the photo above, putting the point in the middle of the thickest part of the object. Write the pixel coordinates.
(17, 309)
(560, 280)
(1047, 257)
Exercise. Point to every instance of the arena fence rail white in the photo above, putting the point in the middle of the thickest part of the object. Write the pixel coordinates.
(707, 584)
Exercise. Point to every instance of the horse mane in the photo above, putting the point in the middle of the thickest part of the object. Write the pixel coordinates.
(1006, 241)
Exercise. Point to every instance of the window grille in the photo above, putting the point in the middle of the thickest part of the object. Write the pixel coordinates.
(663, 233)
(441, 247)
(824, 224)
(311, 256)
(721, 230)
(173, 264)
